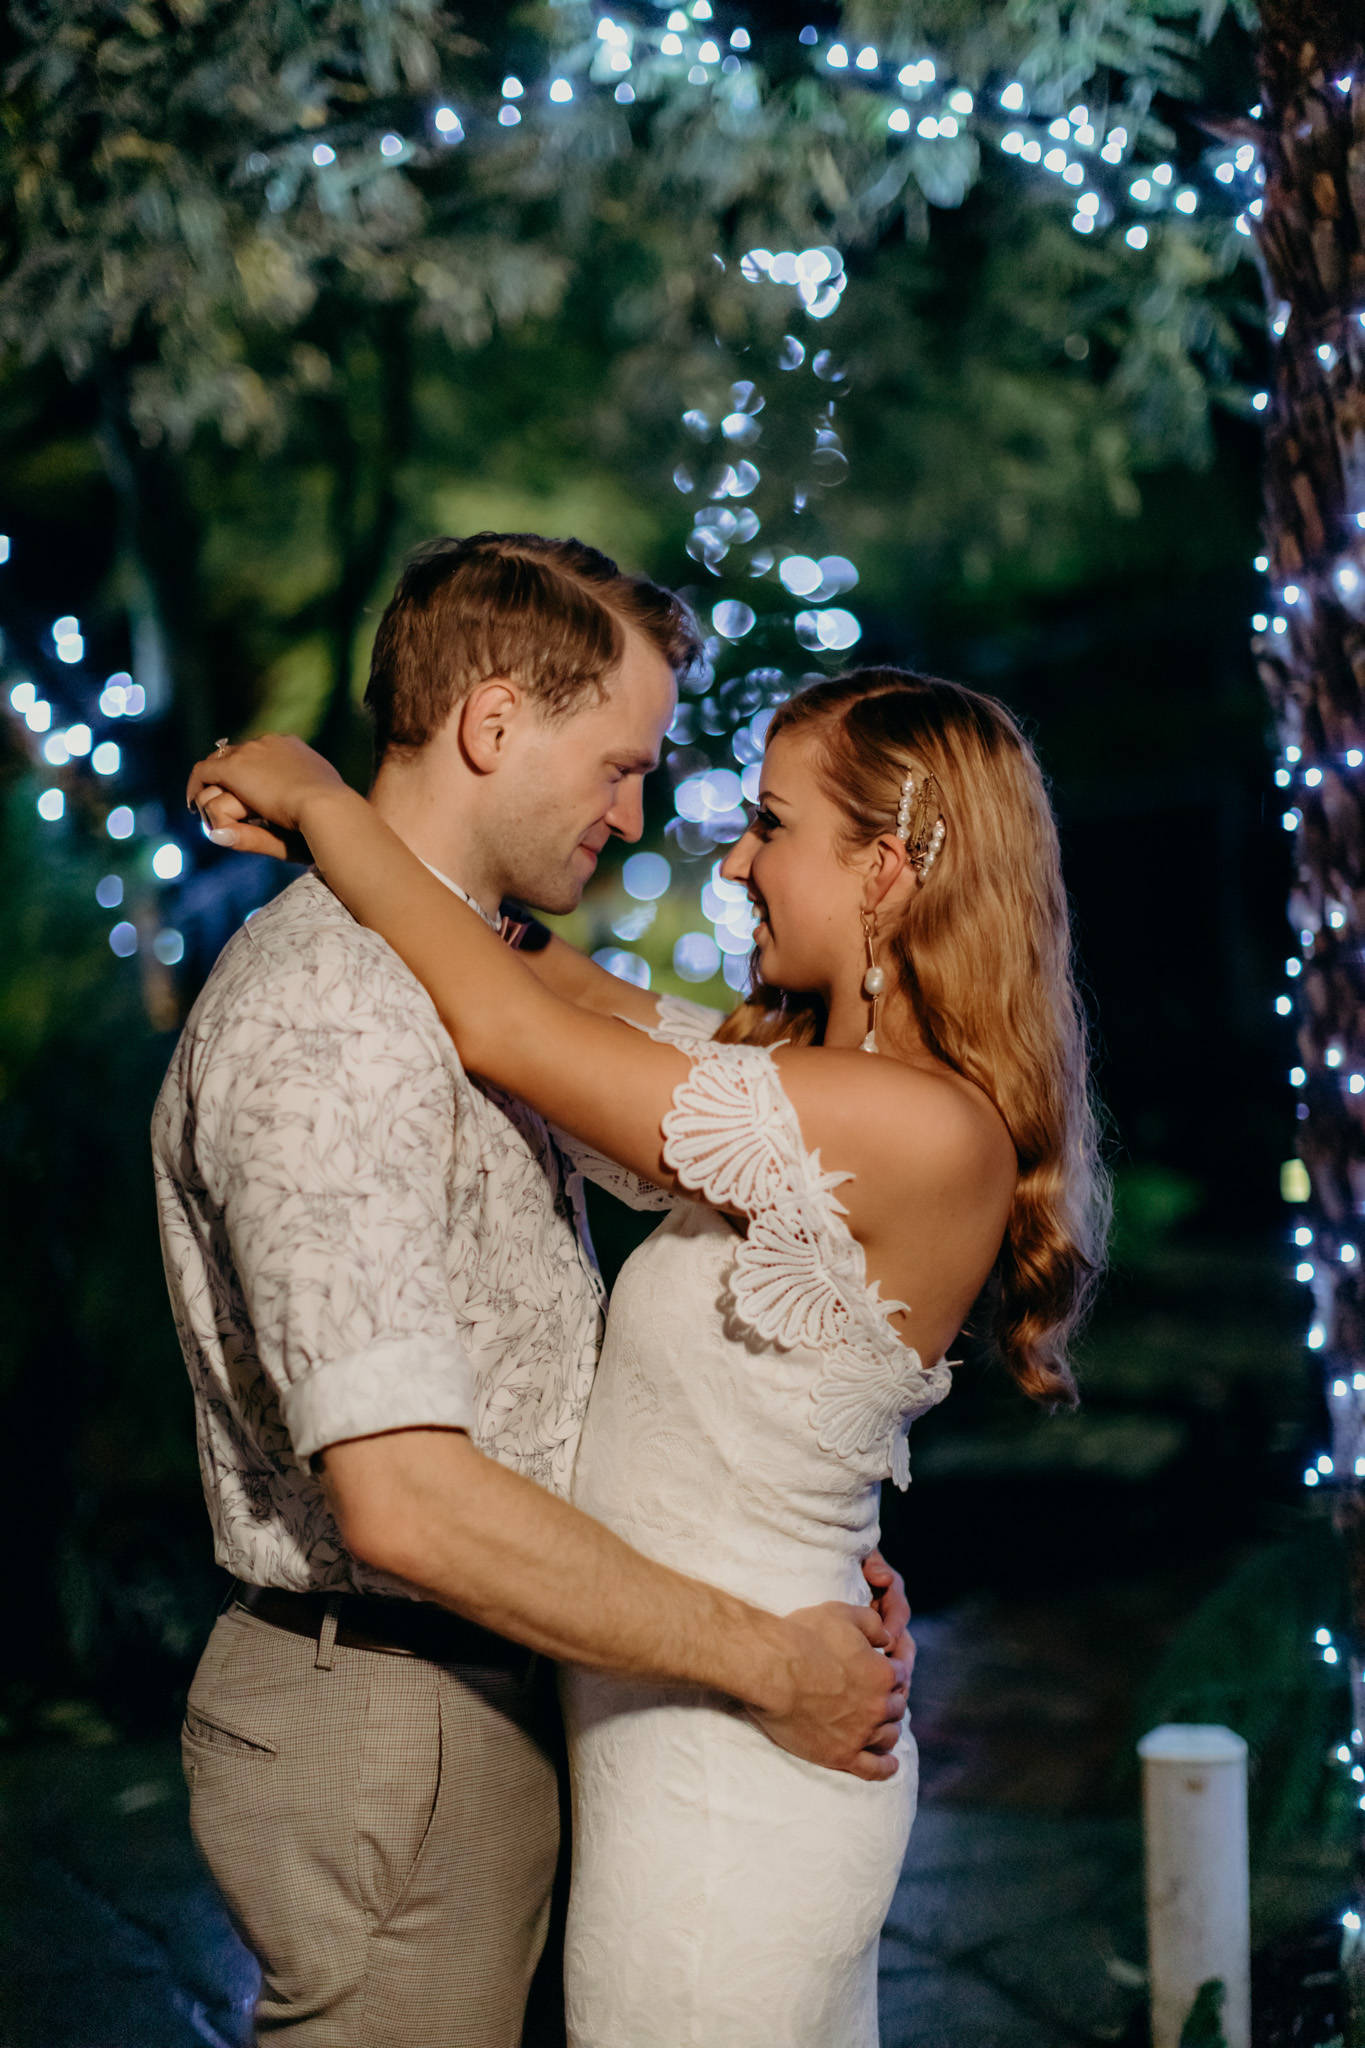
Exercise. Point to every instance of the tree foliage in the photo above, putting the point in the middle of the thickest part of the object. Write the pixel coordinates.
(166, 208)
(204, 232)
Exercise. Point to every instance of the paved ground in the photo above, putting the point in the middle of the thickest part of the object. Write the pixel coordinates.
(1013, 1931)
(1002, 1934)
(109, 1934)
(1017, 1923)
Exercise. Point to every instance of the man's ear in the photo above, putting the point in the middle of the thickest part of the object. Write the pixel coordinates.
(485, 720)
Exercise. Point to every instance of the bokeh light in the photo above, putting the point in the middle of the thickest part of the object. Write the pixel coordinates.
(646, 876)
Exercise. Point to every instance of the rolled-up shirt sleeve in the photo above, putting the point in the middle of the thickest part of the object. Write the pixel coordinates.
(326, 1137)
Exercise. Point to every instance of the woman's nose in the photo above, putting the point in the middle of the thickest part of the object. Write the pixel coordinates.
(735, 866)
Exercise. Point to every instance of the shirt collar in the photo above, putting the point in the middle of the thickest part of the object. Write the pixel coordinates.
(494, 924)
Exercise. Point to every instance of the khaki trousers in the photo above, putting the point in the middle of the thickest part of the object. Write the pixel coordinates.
(383, 1832)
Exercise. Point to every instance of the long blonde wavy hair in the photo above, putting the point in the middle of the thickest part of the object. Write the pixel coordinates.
(984, 955)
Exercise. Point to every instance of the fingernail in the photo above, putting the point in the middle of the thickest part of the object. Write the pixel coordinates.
(221, 836)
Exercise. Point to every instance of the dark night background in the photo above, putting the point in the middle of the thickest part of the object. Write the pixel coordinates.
(1047, 498)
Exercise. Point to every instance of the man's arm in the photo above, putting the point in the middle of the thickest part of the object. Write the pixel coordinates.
(575, 978)
(426, 1506)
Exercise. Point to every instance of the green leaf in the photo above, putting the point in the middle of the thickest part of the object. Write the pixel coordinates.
(1204, 2027)
(945, 171)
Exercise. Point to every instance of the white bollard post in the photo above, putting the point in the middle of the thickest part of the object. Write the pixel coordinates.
(1194, 1802)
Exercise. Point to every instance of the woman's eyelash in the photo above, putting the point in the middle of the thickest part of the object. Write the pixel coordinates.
(761, 819)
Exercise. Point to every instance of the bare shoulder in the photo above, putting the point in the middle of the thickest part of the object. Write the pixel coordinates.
(911, 1127)
(932, 1169)
(959, 1128)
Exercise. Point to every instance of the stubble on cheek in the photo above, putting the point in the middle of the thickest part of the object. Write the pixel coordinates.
(551, 884)
(535, 854)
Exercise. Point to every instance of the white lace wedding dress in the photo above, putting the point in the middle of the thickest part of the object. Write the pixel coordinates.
(751, 1397)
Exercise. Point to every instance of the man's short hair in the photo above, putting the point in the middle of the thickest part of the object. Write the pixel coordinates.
(547, 614)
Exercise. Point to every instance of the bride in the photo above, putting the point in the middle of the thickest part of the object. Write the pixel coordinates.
(890, 1135)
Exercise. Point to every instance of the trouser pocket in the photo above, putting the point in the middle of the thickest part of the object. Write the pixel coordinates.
(201, 1730)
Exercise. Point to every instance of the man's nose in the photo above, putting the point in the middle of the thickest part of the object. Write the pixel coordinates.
(627, 814)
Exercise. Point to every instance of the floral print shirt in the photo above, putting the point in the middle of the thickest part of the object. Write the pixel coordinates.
(357, 1238)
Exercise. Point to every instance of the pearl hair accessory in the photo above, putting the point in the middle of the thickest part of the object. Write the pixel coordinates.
(919, 823)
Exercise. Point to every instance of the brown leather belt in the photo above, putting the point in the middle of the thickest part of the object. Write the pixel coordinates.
(398, 1628)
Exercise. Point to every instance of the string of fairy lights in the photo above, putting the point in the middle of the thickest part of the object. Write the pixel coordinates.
(1089, 155)
(707, 796)
(1327, 1249)
(1302, 779)
(69, 718)
(79, 727)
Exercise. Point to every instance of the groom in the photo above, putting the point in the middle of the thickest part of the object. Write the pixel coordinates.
(390, 1314)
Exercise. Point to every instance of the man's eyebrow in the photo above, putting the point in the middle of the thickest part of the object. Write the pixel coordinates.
(639, 764)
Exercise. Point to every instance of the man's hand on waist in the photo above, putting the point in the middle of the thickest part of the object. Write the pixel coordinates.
(847, 1693)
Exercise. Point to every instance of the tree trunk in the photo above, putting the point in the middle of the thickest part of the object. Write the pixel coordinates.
(1311, 238)
(159, 540)
(363, 519)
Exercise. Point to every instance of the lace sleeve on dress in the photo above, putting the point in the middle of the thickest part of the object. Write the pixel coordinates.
(680, 1023)
(630, 1188)
(684, 1023)
(799, 1275)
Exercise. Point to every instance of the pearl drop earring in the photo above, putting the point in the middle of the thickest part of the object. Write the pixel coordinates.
(874, 981)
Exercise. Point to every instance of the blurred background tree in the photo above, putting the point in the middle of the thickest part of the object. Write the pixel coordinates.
(242, 252)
